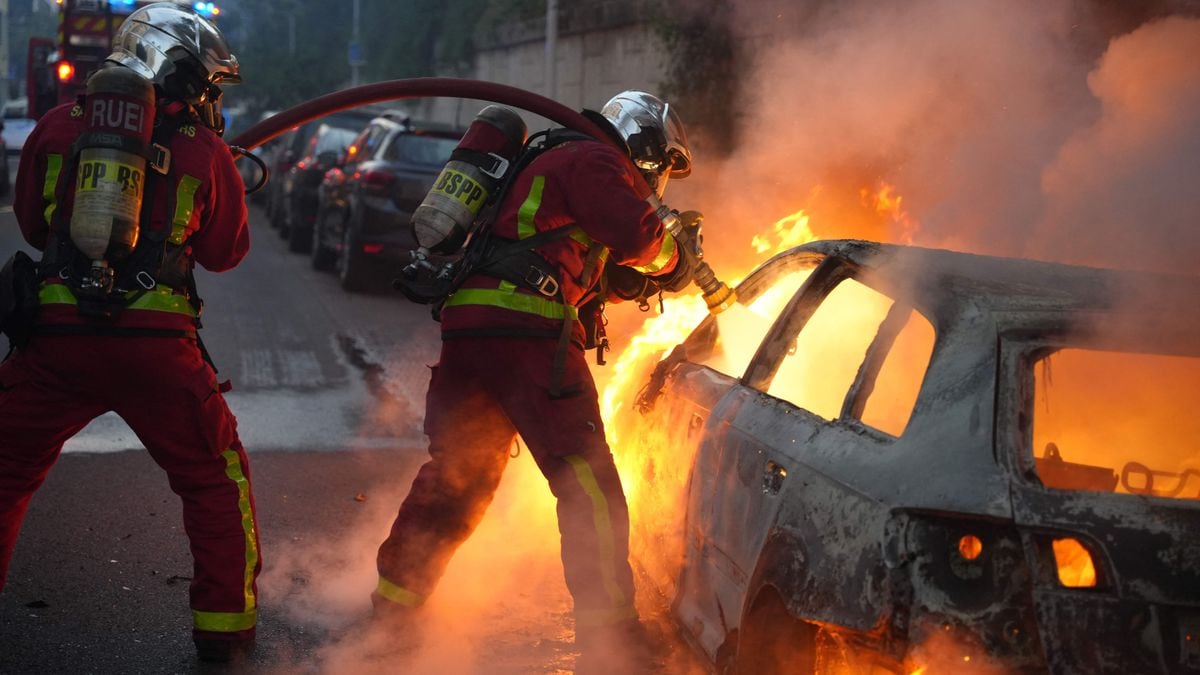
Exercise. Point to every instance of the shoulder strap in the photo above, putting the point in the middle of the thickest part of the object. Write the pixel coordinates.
(143, 265)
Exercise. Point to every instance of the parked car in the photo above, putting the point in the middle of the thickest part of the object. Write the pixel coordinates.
(289, 148)
(325, 148)
(15, 130)
(364, 216)
(891, 458)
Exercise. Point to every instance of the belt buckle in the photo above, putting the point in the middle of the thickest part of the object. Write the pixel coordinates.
(544, 283)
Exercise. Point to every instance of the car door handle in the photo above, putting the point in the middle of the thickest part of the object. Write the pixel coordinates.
(773, 477)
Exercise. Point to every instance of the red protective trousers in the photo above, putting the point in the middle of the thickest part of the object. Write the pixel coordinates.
(484, 391)
(169, 396)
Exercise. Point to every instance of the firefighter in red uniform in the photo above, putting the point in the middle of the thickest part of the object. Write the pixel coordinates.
(502, 373)
(135, 351)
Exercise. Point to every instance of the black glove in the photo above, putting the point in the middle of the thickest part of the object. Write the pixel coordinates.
(626, 283)
(687, 243)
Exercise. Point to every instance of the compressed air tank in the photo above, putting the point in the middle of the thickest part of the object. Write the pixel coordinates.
(110, 178)
(476, 168)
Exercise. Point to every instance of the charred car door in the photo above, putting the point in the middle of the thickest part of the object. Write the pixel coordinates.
(830, 387)
(1103, 436)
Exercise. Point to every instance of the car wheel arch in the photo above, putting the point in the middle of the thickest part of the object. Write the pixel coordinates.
(779, 632)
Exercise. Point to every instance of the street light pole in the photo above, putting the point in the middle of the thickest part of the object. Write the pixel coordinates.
(355, 60)
(551, 48)
(4, 49)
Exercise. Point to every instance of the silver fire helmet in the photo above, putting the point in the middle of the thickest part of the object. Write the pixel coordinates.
(653, 133)
(177, 49)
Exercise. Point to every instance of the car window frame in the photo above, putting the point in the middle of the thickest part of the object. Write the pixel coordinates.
(777, 342)
(1021, 349)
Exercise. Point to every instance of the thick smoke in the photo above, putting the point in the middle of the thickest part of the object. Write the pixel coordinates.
(1061, 131)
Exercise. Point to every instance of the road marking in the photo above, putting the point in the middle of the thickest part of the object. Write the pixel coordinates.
(271, 368)
(300, 368)
(6, 209)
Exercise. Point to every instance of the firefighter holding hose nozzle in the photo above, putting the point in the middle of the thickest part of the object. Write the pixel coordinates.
(571, 225)
(124, 192)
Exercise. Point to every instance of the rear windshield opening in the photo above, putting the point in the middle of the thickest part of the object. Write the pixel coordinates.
(1118, 422)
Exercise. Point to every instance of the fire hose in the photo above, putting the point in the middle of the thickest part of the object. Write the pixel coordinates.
(717, 295)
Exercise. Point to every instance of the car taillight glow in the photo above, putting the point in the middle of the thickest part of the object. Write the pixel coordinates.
(378, 179)
(66, 71)
(372, 249)
(1075, 566)
(970, 547)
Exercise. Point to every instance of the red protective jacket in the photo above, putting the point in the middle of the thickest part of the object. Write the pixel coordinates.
(588, 184)
(209, 214)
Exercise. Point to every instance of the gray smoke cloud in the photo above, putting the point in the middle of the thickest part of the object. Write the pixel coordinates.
(1066, 131)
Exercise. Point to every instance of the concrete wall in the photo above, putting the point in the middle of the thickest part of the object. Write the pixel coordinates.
(592, 64)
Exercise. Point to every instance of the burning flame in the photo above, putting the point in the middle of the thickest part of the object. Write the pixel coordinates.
(788, 231)
(885, 202)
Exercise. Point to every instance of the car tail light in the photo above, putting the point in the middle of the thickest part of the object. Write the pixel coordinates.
(1076, 569)
(372, 249)
(377, 180)
(970, 547)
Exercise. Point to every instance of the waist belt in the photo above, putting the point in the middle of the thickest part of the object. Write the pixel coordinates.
(113, 331)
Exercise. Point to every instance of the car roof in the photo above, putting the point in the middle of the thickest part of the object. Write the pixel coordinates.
(399, 119)
(1006, 283)
(1022, 293)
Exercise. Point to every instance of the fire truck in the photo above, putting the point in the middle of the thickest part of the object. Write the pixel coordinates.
(57, 69)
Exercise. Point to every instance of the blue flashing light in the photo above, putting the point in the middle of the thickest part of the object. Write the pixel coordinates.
(205, 8)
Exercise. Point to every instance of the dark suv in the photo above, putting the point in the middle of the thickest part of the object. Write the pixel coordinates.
(366, 204)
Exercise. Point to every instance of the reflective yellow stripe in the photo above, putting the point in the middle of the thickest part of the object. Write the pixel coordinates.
(233, 469)
(508, 298)
(529, 209)
(161, 299)
(604, 617)
(665, 252)
(185, 204)
(49, 187)
(603, 525)
(224, 622)
(397, 594)
(582, 237)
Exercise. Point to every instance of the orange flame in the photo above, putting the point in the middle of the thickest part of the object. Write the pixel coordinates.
(885, 202)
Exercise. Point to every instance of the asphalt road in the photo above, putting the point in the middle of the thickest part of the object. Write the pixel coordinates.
(328, 391)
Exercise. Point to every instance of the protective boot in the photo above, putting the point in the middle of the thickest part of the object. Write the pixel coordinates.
(224, 651)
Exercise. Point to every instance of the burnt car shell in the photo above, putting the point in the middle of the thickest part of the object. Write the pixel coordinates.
(827, 533)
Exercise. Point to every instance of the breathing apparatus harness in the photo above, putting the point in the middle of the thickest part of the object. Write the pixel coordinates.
(154, 260)
(515, 261)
